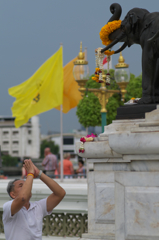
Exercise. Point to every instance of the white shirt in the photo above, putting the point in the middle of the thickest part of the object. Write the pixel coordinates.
(25, 224)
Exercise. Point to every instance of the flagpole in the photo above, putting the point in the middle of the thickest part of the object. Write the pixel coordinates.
(61, 133)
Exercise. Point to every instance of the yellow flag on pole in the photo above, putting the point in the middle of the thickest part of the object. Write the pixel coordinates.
(41, 92)
(71, 94)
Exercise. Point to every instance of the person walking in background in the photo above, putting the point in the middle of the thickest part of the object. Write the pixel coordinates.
(50, 162)
(81, 171)
(67, 165)
(23, 219)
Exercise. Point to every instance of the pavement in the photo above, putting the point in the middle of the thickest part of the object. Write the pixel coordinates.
(2, 237)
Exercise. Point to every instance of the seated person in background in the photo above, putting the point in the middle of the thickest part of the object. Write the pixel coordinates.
(81, 170)
(67, 165)
(23, 219)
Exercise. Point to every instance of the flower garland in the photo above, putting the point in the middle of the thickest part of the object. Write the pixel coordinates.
(99, 67)
(97, 72)
(88, 138)
(109, 52)
(107, 29)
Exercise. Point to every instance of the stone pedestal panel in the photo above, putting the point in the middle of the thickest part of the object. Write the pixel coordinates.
(137, 205)
(101, 206)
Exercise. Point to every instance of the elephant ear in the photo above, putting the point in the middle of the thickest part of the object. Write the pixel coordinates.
(133, 19)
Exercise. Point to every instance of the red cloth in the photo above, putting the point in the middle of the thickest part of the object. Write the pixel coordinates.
(67, 164)
(104, 60)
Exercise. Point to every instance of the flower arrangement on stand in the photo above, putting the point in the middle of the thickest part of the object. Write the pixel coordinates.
(88, 138)
(99, 71)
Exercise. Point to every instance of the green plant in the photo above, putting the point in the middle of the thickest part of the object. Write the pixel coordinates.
(8, 161)
(113, 103)
(134, 87)
(88, 111)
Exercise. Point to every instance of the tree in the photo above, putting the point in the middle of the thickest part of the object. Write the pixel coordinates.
(88, 111)
(113, 103)
(134, 87)
(9, 161)
(50, 144)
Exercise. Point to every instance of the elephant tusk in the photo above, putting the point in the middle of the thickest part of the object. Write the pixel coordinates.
(122, 48)
(154, 37)
(110, 45)
(113, 43)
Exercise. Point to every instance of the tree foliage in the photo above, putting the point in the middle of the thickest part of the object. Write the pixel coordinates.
(9, 161)
(134, 87)
(50, 144)
(113, 103)
(88, 111)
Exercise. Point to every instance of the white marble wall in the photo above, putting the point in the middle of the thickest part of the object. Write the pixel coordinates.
(137, 205)
(123, 190)
(101, 206)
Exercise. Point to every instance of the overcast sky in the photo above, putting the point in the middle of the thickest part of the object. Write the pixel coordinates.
(32, 30)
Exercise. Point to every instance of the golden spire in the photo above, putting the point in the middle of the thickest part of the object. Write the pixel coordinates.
(121, 63)
(81, 58)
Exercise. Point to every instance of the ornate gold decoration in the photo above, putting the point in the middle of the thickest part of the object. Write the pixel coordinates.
(121, 62)
(81, 58)
(123, 86)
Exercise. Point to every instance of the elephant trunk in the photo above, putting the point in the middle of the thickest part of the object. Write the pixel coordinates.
(122, 48)
(116, 10)
(122, 35)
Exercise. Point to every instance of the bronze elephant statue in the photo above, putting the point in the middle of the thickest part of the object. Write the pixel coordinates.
(141, 27)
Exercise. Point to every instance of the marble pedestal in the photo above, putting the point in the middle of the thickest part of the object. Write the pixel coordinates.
(123, 189)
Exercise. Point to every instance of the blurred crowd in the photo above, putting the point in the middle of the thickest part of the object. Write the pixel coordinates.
(53, 168)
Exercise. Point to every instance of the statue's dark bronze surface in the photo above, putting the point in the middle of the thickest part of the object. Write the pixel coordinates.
(140, 27)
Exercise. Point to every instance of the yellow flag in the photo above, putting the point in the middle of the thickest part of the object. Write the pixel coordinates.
(71, 94)
(41, 92)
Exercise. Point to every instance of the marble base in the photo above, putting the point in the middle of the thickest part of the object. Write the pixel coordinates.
(96, 236)
(137, 206)
(123, 189)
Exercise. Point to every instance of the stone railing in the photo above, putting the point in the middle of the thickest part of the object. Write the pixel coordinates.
(69, 218)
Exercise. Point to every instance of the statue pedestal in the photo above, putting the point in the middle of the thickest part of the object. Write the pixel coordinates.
(123, 192)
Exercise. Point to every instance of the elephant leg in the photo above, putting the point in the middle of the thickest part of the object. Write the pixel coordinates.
(156, 83)
(148, 67)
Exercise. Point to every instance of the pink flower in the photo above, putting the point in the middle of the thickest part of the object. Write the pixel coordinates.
(83, 139)
(81, 150)
(92, 135)
(88, 136)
